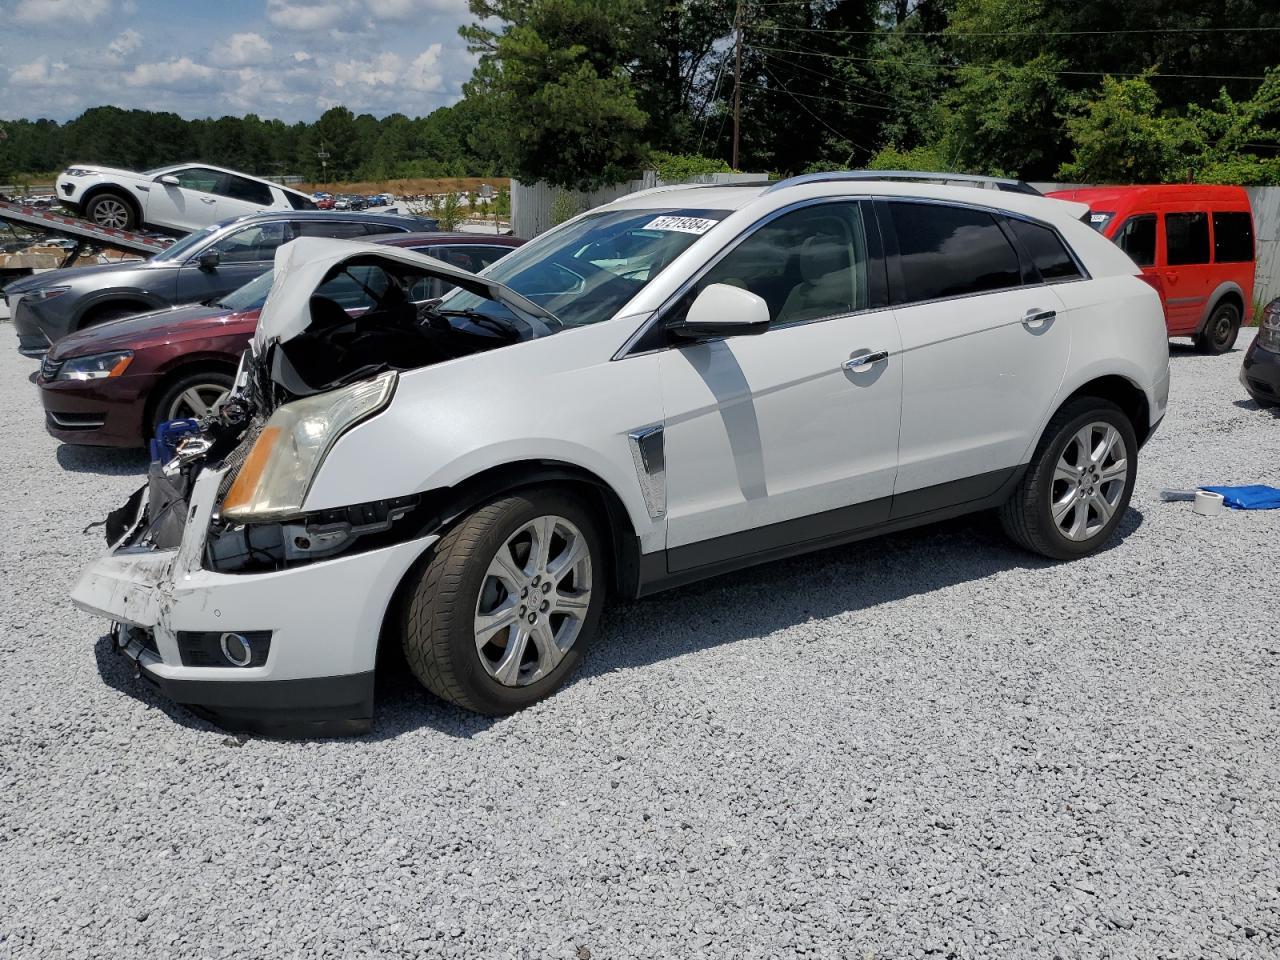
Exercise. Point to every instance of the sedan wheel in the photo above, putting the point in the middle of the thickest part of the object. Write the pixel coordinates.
(198, 400)
(109, 210)
(534, 599)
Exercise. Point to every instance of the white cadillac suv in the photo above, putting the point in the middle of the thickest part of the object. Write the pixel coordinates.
(676, 385)
(179, 198)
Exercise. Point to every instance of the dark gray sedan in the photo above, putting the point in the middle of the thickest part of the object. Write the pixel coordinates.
(201, 266)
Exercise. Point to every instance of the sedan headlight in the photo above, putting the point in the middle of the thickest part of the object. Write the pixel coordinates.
(100, 366)
(277, 474)
(76, 172)
(46, 293)
(1269, 335)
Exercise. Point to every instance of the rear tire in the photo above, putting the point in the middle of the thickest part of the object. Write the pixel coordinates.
(1220, 330)
(495, 624)
(108, 209)
(1071, 500)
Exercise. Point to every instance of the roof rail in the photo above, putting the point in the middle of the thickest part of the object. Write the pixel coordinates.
(919, 176)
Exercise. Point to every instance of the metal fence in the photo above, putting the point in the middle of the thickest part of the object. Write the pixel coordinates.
(537, 207)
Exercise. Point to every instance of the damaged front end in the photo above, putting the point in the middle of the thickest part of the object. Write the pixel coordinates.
(225, 589)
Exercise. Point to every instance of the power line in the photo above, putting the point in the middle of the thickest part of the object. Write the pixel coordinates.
(947, 34)
(838, 134)
(843, 81)
(991, 66)
(813, 96)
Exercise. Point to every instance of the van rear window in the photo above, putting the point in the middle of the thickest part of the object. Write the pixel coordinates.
(1232, 237)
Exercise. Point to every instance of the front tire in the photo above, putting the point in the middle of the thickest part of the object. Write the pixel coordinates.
(507, 602)
(111, 210)
(1078, 484)
(1220, 330)
(193, 395)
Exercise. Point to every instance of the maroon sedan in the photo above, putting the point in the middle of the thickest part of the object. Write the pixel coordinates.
(112, 384)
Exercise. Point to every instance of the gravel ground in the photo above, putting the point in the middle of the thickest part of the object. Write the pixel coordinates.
(926, 745)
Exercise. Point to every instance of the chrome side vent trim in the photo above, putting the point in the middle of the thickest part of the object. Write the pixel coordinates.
(648, 452)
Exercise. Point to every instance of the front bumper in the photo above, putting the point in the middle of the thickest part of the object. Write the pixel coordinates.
(36, 331)
(1260, 374)
(324, 618)
(102, 413)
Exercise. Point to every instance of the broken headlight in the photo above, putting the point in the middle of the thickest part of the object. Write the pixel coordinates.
(277, 474)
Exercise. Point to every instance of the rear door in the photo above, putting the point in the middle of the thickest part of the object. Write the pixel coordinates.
(1185, 268)
(985, 344)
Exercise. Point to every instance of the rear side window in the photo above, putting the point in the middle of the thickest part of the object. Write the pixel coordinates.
(1186, 238)
(951, 251)
(1137, 238)
(1046, 249)
(1232, 237)
(200, 179)
(299, 202)
(250, 191)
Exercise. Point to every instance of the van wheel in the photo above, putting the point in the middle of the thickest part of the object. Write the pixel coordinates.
(111, 210)
(1078, 484)
(1220, 331)
(507, 603)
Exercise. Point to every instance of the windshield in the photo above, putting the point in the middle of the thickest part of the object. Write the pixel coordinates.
(181, 249)
(586, 272)
(1098, 219)
(251, 296)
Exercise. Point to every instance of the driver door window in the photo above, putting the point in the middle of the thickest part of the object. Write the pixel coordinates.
(200, 179)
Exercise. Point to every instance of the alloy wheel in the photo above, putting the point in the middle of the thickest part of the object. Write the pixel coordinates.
(111, 213)
(533, 600)
(1088, 481)
(198, 400)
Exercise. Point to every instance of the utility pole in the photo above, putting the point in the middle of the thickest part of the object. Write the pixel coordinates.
(323, 156)
(737, 80)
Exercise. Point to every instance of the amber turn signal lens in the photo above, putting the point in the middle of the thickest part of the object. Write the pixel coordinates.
(241, 492)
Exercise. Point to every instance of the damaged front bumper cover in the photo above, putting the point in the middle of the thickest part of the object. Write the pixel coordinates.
(323, 619)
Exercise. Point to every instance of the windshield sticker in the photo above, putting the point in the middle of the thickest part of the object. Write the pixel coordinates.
(696, 225)
(1099, 217)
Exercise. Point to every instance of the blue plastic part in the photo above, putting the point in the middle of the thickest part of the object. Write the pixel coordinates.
(1255, 496)
(165, 443)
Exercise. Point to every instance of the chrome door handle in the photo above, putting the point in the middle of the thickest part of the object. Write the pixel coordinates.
(1035, 317)
(864, 361)
(208, 200)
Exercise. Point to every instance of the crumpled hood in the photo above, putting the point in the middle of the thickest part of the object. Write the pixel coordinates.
(65, 274)
(301, 267)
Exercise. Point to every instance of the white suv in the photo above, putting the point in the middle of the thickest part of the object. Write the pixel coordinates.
(679, 384)
(180, 198)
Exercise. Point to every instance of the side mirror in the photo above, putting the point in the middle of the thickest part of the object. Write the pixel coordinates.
(209, 260)
(169, 180)
(721, 310)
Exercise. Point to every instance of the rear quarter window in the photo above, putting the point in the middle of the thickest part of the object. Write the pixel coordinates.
(1232, 237)
(1046, 249)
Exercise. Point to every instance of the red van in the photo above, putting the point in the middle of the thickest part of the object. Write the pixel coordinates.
(1194, 244)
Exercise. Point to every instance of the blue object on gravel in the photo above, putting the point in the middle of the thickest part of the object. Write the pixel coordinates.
(1255, 496)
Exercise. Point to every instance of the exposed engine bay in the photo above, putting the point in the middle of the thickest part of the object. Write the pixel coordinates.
(342, 321)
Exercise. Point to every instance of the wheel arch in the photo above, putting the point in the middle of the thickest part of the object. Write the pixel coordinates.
(1227, 292)
(113, 188)
(122, 298)
(177, 368)
(622, 541)
(1124, 393)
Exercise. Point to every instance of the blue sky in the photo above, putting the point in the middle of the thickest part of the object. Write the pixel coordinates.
(291, 59)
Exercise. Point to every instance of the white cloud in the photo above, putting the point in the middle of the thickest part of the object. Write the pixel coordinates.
(301, 56)
(60, 11)
(382, 70)
(307, 16)
(128, 42)
(40, 72)
(425, 73)
(179, 74)
(242, 50)
(411, 9)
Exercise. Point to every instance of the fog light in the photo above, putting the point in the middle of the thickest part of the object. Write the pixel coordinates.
(230, 648)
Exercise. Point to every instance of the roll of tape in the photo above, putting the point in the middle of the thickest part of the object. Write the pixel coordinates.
(1208, 503)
